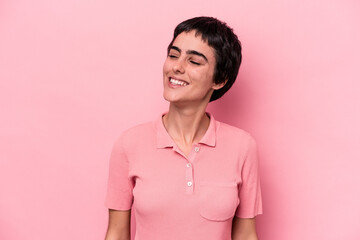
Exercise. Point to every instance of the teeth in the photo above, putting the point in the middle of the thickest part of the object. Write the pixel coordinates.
(177, 82)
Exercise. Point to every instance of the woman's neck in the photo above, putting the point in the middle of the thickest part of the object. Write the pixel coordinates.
(186, 126)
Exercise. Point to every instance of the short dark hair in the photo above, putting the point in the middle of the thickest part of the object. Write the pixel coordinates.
(221, 37)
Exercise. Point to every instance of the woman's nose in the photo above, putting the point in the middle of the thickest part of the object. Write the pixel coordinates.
(178, 66)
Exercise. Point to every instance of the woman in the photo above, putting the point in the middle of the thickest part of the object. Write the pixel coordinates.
(188, 175)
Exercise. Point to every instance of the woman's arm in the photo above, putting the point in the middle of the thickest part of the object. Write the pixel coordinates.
(119, 225)
(244, 229)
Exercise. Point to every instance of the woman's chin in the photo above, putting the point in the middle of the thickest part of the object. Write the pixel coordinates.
(175, 101)
(172, 99)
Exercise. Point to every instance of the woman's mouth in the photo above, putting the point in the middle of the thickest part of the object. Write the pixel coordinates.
(177, 82)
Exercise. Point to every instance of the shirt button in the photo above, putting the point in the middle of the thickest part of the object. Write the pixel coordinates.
(189, 184)
(197, 149)
(188, 165)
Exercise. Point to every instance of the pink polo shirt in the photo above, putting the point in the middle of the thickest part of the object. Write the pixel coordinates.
(184, 198)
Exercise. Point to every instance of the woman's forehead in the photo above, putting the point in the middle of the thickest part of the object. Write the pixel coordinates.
(190, 41)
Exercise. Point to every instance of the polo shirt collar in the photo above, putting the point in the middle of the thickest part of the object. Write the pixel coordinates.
(164, 140)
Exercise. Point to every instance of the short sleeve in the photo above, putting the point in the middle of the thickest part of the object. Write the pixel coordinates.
(119, 194)
(249, 190)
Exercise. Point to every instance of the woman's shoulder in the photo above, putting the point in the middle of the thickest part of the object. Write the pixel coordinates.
(230, 131)
(135, 134)
(138, 128)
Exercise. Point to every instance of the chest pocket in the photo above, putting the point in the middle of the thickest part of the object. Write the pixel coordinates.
(218, 200)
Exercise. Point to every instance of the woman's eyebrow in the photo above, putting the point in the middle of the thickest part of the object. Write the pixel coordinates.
(190, 52)
(176, 48)
(196, 53)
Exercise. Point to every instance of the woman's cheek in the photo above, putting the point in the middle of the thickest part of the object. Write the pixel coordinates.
(167, 66)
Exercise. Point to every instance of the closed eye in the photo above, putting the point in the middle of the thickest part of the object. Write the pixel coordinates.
(172, 56)
(196, 63)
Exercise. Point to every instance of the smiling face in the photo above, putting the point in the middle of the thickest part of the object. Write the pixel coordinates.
(189, 69)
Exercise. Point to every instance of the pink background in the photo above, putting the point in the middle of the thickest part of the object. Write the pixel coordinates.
(75, 73)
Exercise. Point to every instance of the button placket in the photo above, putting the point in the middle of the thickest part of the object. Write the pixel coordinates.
(189, 181)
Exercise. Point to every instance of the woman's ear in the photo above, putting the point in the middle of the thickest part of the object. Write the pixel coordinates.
(220, 85)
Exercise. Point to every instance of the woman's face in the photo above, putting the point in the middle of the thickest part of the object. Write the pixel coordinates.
(189, 69)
